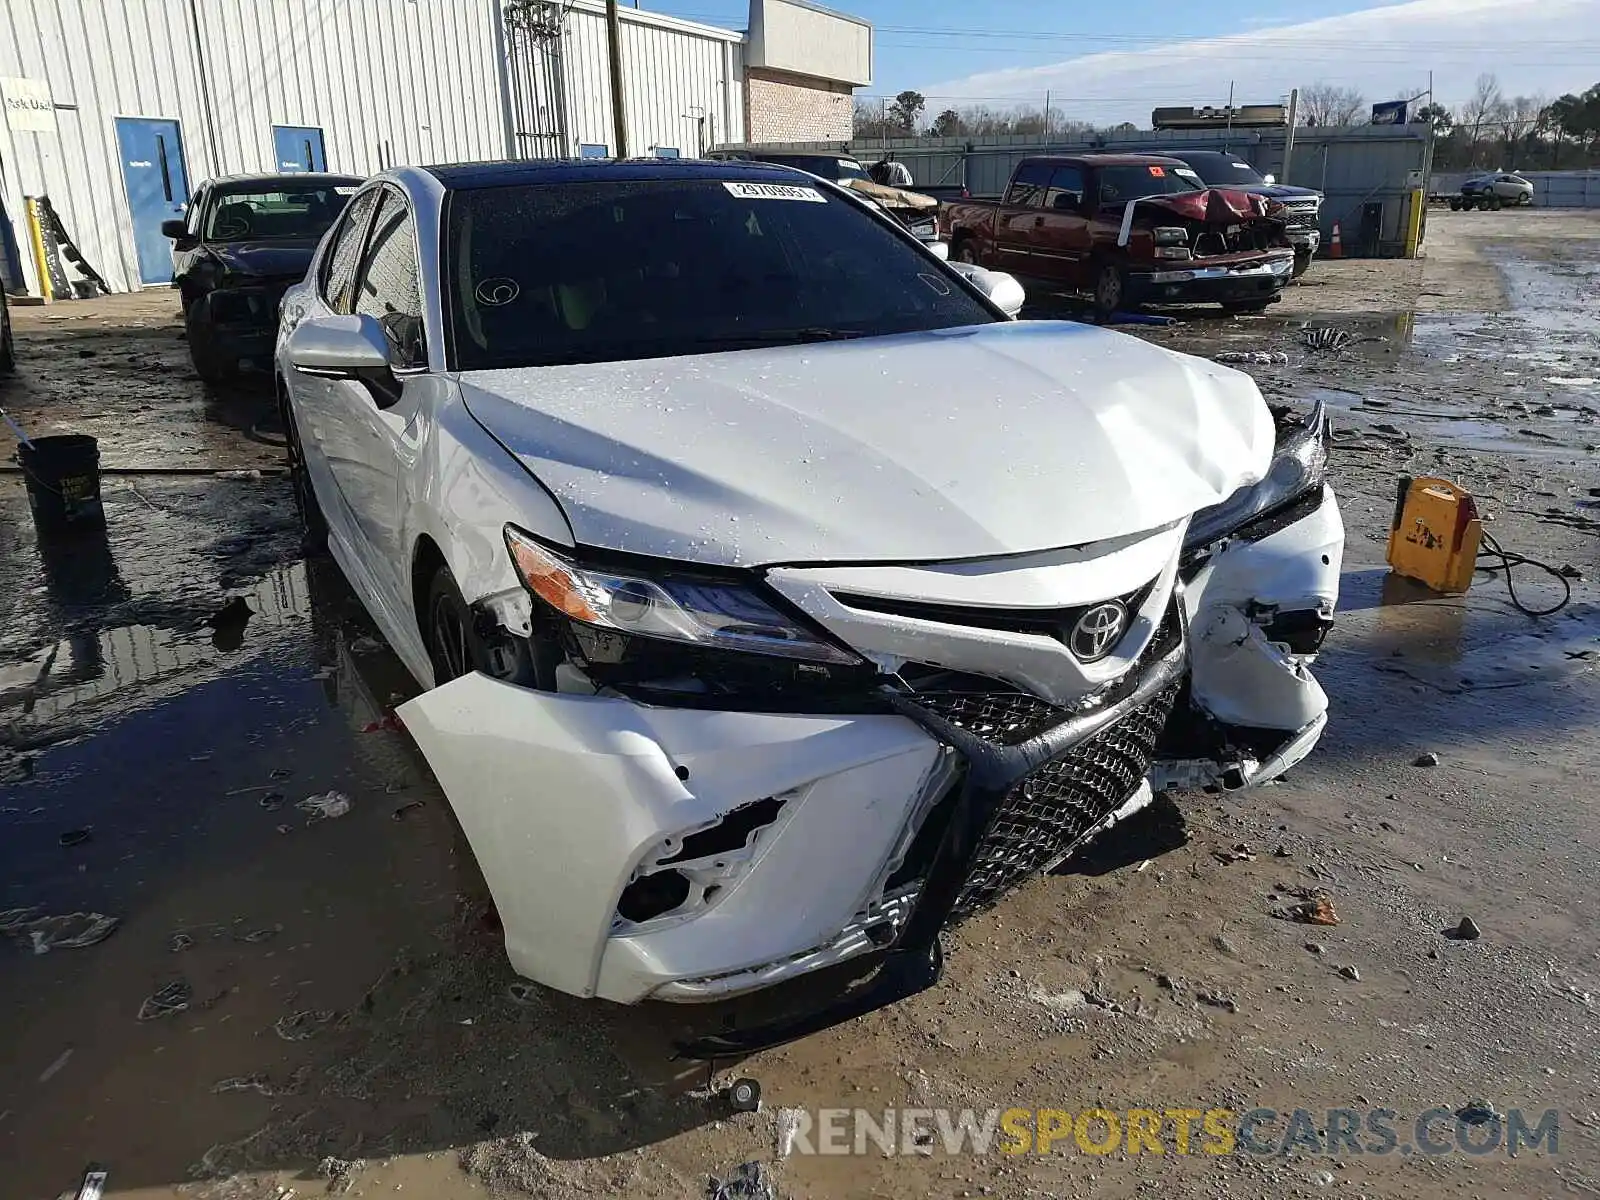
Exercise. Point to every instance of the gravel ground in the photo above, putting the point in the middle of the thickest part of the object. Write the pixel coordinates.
(351, 1026)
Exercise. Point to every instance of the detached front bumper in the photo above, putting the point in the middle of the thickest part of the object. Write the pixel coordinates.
(1212, 284)
(690, 855)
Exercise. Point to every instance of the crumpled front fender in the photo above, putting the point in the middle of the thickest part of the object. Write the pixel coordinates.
(1241, 675)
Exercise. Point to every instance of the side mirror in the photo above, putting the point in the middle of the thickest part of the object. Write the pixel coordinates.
(338, 347)
(1270, 178)
(176, 230)
(1002, 290)
(1067, 201)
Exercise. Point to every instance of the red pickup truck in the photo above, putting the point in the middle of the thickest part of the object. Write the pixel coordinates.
(1128, 230)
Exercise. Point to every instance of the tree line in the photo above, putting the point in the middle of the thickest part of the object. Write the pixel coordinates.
(1491, 130)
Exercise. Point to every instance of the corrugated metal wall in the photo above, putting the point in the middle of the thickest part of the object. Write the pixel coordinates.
(684, 82)
(387, 81)
(1353, 167)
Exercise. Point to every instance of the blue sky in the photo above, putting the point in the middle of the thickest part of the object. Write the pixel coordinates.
(1110, 62)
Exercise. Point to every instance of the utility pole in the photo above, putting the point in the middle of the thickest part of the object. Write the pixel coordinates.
(1047, 116)
(1288, 138)
(1228, 136)
(619, 115)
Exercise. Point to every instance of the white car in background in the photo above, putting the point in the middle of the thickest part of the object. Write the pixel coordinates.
(1496, 189)
(780, 601)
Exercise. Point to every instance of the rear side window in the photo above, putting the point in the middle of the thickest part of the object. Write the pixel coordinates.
(1029, 184)
(1066, 189)
(388, 289)
(339, 260)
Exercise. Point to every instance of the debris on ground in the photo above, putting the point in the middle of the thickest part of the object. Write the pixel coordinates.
(42, 934)
(179, 942)
(1217, 1000)
(76, 837)
(366, 645)
(54, 1068)
(325, 806)
(389, 724)
(1350, 973)
(750, 1181)
(399, 813)
(1427, 759)
(263, 1083)
(306, 1023)
(1240, 853)
(272, 801)
(1477, 1112)
(93, 1186)
(1313, 908)
(1466, 931)
(1257, 358)
(166, 1001)
(340, 1173)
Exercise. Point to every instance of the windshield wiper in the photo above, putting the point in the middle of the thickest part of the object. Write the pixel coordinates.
(782, 337)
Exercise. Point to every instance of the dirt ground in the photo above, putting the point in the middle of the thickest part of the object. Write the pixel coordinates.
(293, 1006)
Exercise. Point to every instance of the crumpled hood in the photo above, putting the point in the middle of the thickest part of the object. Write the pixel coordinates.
(1223, 205)
(964, 443)
(267, 260)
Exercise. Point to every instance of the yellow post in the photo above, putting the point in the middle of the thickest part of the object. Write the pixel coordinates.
(1414, 223)
(36, 239)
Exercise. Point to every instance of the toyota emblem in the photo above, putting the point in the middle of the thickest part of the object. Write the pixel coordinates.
(1097, 631)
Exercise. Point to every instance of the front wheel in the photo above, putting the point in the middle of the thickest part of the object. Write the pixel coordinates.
(212, 367)
(447, 628)
(1110, 289)
(1455, 203)
(1494, 203)
(314, 527)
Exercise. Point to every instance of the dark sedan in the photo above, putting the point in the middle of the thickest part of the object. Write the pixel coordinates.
(242, 243)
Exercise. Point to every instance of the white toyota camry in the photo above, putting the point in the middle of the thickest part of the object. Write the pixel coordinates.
(778, 599)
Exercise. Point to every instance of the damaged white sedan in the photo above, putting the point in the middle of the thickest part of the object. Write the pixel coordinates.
(780, 600)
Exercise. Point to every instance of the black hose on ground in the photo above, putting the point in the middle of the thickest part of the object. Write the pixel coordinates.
(1492, 549)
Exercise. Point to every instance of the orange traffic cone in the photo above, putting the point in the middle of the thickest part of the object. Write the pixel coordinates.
(1335, 247)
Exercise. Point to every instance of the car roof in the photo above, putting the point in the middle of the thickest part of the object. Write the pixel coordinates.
(292, 178)
(1186, 155)
(596, 170)
(1111, 160)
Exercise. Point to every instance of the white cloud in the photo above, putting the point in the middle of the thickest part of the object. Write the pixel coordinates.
(1533, 46)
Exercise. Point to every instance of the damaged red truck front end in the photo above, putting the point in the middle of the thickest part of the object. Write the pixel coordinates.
(1128, 230)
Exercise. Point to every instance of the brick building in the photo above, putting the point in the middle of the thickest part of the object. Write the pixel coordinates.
(802, 66)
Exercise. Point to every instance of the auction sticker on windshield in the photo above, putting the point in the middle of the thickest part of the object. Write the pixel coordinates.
(774, 191)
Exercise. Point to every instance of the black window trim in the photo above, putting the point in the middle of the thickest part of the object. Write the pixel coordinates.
(389, 190)
(325, 262)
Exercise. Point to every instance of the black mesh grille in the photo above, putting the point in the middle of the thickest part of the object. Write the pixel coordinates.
(1005, 718)
(1049, 811)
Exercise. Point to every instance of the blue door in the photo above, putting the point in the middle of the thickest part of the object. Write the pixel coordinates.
(158, 189)
(298, 148)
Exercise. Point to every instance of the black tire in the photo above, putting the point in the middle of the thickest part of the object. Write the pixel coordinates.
(8, 346)
(1110, 288)
(1494, 203)
(1455, 203)
(1525, 200)
(313, 525)
(212, 367)
(1302, 264)
(448, 632)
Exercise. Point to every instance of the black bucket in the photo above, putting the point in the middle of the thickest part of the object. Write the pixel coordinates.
(63, 476)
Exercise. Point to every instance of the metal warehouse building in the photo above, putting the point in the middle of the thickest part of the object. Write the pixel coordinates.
(115, 109)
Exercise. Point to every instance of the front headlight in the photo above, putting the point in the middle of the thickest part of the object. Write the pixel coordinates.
(714, 614)
(1299, 464)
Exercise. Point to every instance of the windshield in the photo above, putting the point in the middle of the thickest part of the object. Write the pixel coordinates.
(539, 275)
(1220, 170)
(1121, 184)
(296, 213)
(828, 168)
